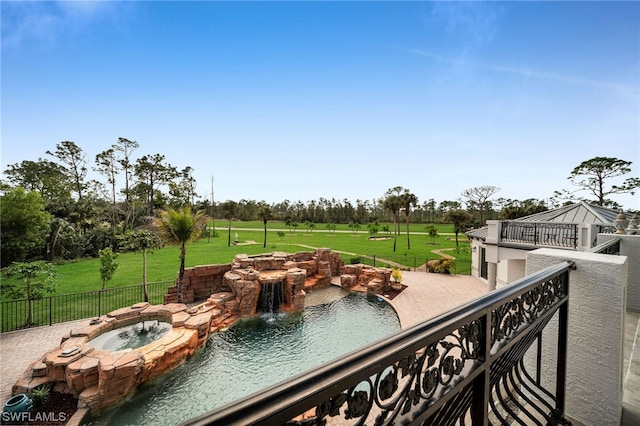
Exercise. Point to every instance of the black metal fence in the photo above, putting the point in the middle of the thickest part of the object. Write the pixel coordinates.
(463, 367)
(22, 313)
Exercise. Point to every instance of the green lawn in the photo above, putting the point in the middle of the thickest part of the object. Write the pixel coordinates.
(83, 275)
(413, 227)
(162, 265)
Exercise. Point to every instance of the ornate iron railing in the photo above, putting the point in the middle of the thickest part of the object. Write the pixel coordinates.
(602, 229)
(609, 247)
(606, 229)
(540, 234)
(462, 367)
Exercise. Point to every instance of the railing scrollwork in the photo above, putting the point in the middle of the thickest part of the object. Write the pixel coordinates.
(420, 377)
(509, 317)
(608, 247)
(436, 372)
(548, 234)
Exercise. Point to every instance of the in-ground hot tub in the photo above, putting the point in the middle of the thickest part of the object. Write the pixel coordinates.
(101, 363)
(131, 336)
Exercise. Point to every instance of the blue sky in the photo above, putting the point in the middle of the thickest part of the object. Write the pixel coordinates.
(302, 100)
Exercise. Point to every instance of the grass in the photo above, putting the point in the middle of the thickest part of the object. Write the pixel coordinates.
(83, 275)
(222, 224)
(162, 265)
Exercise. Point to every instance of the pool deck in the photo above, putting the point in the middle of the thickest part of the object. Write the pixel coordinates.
(20, 348)
(426, 296)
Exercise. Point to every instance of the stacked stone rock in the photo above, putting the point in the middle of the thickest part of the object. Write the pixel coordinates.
(201, 281)
(101, 378)
(363, 277)
(246, 284)
(245, 288)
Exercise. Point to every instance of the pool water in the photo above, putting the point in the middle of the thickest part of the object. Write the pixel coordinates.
(131, 336)
(259, 352)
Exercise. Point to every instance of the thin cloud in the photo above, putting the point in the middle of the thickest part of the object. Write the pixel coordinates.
(578, 81)
(23, 21)
(474, 22)
(45, 22)
(632, 92)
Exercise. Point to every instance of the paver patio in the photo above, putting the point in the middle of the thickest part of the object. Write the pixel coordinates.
(426, 296)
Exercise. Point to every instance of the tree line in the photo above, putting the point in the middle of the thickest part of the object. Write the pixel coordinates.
(51, 210)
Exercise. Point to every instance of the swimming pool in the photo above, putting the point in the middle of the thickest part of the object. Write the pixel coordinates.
(259, 352)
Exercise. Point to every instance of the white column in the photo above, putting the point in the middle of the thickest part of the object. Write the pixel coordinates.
(492, 275)
(630, 247)
(597, 304)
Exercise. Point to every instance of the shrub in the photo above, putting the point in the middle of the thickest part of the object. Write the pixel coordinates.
(396, 274)
(355, 260)
(40, 395)
(444, 266)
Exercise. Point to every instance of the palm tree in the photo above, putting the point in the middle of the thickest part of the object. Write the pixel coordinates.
(459, 218)
(264, 211)
(229, 209)
(393, 203)
(408, 201)
(180, 227)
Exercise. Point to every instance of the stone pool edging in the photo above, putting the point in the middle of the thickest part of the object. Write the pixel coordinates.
(102, 379)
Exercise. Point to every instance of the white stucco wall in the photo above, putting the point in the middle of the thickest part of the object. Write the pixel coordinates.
(516, 269)
(510, 270)
(597, 299)
(476, 256)
(630, 247)
(503, 272)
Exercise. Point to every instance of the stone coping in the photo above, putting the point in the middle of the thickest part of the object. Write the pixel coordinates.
(102, 378)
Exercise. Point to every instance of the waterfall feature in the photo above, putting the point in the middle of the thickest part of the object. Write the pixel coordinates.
(271, 296)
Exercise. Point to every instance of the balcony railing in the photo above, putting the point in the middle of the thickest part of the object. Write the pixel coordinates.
(539, 234)
(609, 247)
(602, 229)
(463, 367)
